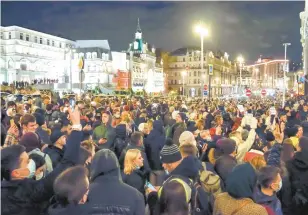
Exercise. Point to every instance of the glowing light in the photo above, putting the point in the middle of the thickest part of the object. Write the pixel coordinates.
(240, 59)
(200, 29)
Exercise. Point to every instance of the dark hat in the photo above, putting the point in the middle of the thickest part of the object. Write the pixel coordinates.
(170, 153)
(269, 136)
(49, 107)
(40, 119)
(183, 116)
(30, 141)
(191, 126)
(55, 135)
(225, 146)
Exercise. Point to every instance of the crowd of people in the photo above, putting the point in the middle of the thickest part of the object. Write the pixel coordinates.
(24, 84)
(154, 156)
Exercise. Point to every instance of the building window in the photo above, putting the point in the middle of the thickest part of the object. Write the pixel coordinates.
(27, 37)
(35, 39)
(48, 42)
(21, 36)
(60, 44)
(53, 43)
(1, 35)
(183, 59)
(88, 55)
(41, 40)
(190, 59)
(10, 35)
(195, 73)
(195, 81)
(94, 55)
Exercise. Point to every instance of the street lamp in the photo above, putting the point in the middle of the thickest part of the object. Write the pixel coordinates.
(284, 73)
(183, 75)
(69, 49)
(203, 32)
(240, 60)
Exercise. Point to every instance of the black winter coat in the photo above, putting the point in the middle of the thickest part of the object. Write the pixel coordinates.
(30, 197)
(136, 179)
(56, 154)
(298, 172)
(153, 145)
(108, 194)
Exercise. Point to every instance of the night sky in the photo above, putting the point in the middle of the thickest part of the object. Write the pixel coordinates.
(250, 28)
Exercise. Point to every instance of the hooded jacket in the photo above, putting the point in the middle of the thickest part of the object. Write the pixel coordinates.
(270, 201)
(189, 167)
(298, 173)
(238, 198)
(153, 145)
(108, 194)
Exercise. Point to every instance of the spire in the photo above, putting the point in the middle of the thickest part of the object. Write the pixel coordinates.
(138, 26)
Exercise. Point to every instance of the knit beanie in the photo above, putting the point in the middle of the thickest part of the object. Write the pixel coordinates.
(170, 153)
(30, 141)
(187, 138)
(191, 126)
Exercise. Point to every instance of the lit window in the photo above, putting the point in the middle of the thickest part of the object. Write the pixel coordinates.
(48, 42)
(21, 36)
(41, 40)
(94, 55)
(88, 55)
(27, 37)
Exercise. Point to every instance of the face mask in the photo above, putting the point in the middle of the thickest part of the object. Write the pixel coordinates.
(39, 176)
(279, 187)
(32, 168)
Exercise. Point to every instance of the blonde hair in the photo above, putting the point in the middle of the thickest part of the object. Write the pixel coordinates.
(130, 157)
(258, 162)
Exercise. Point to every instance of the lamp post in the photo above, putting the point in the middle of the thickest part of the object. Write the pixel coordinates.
(284, 73)
(203, 31)
(183, 75)
(69, 50)
(240, 60)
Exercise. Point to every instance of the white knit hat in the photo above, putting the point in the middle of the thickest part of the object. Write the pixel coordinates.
(187, 138)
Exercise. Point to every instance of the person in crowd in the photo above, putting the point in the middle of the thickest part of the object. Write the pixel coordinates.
(56, 150)
(136, 142)
(133, 173)
(42, 133)
(71, 192)
(107, 191)
(24, 195)
(269, 183)
(238, 198)
(298, 174)
(40, 166)
(104, 134)
(178, 128)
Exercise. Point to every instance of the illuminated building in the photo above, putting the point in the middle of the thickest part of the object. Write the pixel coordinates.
(146, 74)
(266, 73)
(188, 61)
(27, 54)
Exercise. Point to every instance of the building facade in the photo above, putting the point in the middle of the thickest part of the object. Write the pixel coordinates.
(98, 66)
(184, 72)
(27, 54)
(267, 74)
(146, 74)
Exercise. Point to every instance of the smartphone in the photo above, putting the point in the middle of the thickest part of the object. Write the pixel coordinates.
(149, 185)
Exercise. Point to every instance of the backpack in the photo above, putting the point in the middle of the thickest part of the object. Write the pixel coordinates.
(199, 203)
(210, 181)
